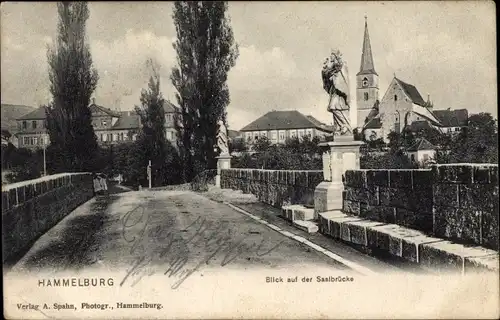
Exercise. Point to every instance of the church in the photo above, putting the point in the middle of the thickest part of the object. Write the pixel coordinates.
(401, 106)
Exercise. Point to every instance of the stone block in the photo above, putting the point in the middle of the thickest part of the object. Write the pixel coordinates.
(372, 195)
(314, 178)
(419, 220)
(357, 231)
(487, 263)
(446, 195)
(411, 243)
(420, 200)
(377, 178)
(378, 237)
(400, 178)
(489, 228)
(351, 207)
(481, 175)
(459, 173)
(5, 201)
(444, 256)
(385, 195)
(307, 226)
(422, 179)
(379, 213)
(355, 194)
(355, 178)
(399, 197)
(301, 178)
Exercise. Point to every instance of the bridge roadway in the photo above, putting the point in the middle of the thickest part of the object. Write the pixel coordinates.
(172, 230)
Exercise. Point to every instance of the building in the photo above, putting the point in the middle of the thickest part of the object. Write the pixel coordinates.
(367, 90)
(452, 121)
(278, 126)
(421, 151)
(110, 126)
(402, 105)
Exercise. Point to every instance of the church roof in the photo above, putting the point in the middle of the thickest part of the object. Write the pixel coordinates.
(283, 120)
(421, 144)
(411, 92)
(367, 66)
(373, 123)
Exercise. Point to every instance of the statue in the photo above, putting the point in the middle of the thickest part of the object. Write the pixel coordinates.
(222, 140)
(336, 84)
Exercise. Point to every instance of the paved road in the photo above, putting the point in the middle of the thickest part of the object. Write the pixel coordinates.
(167, 231)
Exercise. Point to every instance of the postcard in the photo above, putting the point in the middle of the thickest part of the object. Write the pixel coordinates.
(257, 160)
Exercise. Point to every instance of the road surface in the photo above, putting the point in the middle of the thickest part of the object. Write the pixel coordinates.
(174, 232)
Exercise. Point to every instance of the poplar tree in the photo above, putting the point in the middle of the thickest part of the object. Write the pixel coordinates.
(206, 51)
(72, 83)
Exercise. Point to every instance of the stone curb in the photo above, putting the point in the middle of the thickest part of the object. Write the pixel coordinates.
(433, 254)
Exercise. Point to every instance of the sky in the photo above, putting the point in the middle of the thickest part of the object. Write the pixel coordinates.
(446, 49)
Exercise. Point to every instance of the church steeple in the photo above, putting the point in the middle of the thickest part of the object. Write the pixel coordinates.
(367, 66)
(366, 81)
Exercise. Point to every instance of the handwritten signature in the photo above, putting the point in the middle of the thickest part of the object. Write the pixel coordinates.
(174, 249)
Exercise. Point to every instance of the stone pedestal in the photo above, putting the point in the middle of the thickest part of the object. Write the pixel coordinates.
(338, 156)
(223, 162)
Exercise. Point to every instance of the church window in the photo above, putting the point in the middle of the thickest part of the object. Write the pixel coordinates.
(395, 97)
(366, 96)
(365, 82)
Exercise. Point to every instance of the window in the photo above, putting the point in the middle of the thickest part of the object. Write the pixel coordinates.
(25, 124)
(26, 140)
(122, 136)
(365, 82)
(412, 157)
(395, 97)
(35, 140)
(104, 123)
(366, 96)
(282, 135)
(42, 141)
(33, 124)
(104, 137)
(309, 132)
(169, 135)
(274, 135)
(418, 118)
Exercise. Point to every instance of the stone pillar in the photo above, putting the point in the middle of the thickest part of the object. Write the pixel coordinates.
(223, 162)
(338, 156)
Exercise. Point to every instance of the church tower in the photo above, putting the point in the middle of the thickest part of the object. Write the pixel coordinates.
(366, 81)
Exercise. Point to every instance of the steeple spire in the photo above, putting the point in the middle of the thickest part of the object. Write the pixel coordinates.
(367, 66)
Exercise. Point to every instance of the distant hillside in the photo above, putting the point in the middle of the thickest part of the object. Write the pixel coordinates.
(10, 112)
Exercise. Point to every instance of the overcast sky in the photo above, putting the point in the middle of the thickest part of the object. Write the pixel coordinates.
(446, 49)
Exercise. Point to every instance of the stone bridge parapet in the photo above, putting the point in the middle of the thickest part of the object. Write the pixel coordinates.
(30, 208)
(274, 187)
(454, 201)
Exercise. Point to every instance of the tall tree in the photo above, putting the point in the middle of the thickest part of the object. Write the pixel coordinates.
(72, 83)
(206, 51)
(152, 143)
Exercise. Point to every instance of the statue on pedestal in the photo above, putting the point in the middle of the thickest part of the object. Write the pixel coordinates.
(336, 83)
(222, 138)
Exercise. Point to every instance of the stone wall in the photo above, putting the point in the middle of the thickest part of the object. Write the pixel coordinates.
(457, 202)
(274, 187)
(466, 203)
(32, 207)
(403, 197)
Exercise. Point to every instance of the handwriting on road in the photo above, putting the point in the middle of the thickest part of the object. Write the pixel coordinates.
(153, 246)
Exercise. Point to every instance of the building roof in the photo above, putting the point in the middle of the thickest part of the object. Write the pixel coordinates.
(37, 114)
(283, 120)
(169, 107)
(452, 118)
(129, 121)
(367, 66)
(108, 111)
(416, 126)
(411, 92)
(421, 144)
